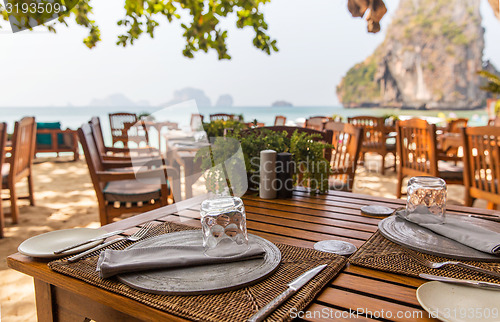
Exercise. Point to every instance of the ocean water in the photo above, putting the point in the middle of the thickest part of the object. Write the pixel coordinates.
(73, 117)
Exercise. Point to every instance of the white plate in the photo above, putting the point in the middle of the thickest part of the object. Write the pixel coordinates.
(44, 245)
(457, 303)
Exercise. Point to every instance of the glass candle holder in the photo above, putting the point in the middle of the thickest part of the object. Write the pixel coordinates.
(223, 222)
(426, 201)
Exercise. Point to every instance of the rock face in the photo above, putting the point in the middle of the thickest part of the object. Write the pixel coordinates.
(429, 59)
(225, 100)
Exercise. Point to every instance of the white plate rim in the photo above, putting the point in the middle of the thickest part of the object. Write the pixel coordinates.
(22, 247)
(431, 310)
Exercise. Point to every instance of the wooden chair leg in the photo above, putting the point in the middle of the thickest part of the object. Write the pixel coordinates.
(468, 199)
(383, 165)
(14, 209)
(399, 185)
(491, 206)
(31, 190)
(103, 215)
(2, 219)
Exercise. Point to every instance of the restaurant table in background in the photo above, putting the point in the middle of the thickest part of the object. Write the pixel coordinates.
(158, 126)
(301, 221)
(181, 152)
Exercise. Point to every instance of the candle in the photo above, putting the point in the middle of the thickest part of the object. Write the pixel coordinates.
(267, 188)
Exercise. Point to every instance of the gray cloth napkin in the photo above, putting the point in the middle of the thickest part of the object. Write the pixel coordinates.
(463, 232)
(113, 262)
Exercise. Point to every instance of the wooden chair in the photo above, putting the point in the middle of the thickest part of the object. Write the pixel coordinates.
(374, 137)
(482, 165)
(316, 122)
(280, 120)
(124, 160)
(19, 165)
(117, 154)
(122, 192)
(51, 138)
(494, 122)
(454, 126)
(196, 122)
(3, 144)
(125, 128)
(417, 154)
(346, 143)
(224, 117)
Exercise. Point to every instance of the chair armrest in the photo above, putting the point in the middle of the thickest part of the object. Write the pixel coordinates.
(147, 150)
(127, 162)
(107, 176)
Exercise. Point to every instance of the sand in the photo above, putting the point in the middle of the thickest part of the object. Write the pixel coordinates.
(65, 198)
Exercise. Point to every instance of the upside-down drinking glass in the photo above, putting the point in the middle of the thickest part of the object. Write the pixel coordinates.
(426, 201)
(223, 222)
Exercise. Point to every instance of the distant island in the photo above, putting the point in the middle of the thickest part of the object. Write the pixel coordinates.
(117, 100)
(282, 103)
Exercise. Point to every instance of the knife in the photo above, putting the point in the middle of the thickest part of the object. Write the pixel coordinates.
(479, 284)
(293, 287)
(116, 232)
(490, 218)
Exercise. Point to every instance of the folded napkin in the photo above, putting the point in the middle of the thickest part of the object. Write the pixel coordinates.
(113, 262)
(463, 232)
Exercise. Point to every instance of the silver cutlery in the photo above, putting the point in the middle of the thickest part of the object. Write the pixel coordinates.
(113, 233)
(133, 238)
(430, 264)
(479, 284)
(490, 218)
(293, 287)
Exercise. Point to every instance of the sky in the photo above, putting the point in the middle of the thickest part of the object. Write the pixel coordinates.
(318, 41)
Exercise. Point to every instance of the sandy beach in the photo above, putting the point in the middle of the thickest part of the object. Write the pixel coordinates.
(65, 198)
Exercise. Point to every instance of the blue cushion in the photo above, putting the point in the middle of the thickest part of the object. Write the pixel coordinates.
(46, 139)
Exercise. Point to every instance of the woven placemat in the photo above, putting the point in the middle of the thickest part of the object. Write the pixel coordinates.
(380, 253)
(229, 306)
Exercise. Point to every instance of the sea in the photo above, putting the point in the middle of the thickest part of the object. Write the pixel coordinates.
(72, 117)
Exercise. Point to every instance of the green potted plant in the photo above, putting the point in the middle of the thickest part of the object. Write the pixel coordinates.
(312, 169)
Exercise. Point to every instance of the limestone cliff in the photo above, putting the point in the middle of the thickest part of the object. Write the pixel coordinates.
(429, 58)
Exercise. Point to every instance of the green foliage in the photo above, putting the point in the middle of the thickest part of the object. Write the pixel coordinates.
(307, 155)
(216, 128)
(202, 22)
(359, 84)
(81, 12)
(493, 85)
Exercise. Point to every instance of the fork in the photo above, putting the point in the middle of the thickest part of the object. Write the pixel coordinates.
(133, 238)
(427, 263)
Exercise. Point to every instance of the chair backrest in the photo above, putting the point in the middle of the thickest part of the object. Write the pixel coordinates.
(279, 120)
(323, 136)
(125, 127)
(373, 130)
(23, 147)
(316, 122)
(196, 122)
(346, 142)
(96, 128)
(3, 144)
(455, 125)
(92, 157)
(223, 117)
(416, 147)
(482, 162)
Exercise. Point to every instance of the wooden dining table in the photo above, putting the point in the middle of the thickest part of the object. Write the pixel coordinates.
(302, 221)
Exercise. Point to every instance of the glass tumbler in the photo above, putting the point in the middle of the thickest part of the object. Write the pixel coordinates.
(223, 222)
(426, 201)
